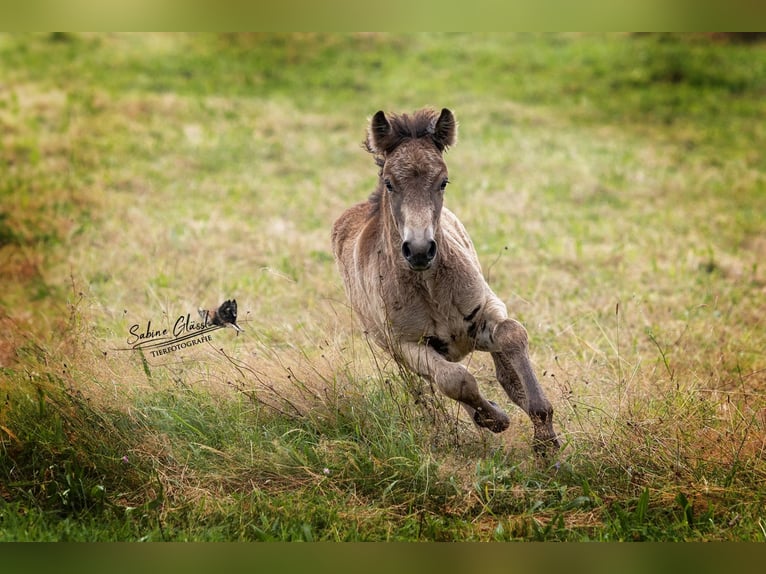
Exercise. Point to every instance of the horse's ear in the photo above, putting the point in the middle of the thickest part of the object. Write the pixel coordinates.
(380, 129)
(445, 130)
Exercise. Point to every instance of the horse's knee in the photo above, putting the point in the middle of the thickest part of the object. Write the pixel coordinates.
(511, 335)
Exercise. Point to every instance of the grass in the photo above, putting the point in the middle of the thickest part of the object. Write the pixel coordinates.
(613, 186)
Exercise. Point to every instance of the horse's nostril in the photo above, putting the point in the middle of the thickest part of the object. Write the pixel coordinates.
(432, 250)
(419, 255)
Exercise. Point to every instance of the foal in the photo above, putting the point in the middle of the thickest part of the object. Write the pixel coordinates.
(413, 277)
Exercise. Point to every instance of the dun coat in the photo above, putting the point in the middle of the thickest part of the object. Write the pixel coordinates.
(413, 278)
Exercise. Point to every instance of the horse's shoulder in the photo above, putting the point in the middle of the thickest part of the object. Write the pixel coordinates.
(459, 241)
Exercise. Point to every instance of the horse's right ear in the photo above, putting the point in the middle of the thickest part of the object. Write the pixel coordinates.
(380, 129)
(445, 130)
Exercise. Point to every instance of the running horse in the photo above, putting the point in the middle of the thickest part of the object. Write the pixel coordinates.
(414, 280)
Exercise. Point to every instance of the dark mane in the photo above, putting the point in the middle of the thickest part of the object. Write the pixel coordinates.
(375, 199)
(405, 127)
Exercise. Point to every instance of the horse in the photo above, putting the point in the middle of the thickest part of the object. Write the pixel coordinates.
(413, 278)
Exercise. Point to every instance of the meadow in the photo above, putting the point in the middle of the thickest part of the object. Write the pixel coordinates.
(615, 190)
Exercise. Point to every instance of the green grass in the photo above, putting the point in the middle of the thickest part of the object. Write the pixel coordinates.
(613, 186)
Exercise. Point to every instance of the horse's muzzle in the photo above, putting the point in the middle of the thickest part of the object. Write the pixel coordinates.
(419, 254)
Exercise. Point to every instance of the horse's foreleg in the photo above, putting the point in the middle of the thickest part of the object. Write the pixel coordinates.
(454, 380)
(507, 341)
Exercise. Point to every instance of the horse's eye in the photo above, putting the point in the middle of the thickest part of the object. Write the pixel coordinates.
(444, 185)
(388, 185)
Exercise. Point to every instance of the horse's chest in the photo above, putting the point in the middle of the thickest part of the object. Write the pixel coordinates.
(439, 322)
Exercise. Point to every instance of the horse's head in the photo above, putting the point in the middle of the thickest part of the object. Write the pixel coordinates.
(413, 176)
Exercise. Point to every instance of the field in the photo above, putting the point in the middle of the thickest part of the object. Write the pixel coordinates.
(615, 190)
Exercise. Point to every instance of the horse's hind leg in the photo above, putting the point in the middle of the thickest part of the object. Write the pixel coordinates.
(509, 348)
(454, 380)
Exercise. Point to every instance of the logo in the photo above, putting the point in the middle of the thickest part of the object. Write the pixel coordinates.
(186, 332)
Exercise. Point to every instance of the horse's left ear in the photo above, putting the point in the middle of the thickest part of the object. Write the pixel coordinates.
(445, 130)
(378, 137)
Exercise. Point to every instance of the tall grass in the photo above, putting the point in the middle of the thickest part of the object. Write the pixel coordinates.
(612, 186)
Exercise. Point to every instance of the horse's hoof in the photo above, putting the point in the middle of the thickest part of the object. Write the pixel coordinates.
(546, 446)
(497, 422)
